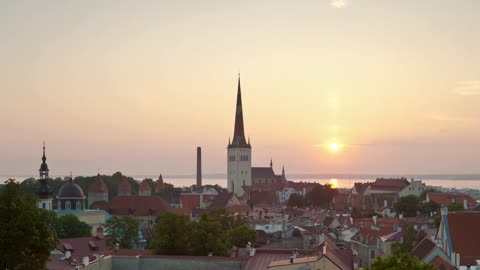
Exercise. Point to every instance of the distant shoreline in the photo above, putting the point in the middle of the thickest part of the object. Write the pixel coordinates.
(293, 176)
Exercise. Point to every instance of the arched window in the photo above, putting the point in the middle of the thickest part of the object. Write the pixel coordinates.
(78, 206)
(68, 205)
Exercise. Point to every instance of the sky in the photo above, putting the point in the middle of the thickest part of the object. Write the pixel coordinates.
(136, 86)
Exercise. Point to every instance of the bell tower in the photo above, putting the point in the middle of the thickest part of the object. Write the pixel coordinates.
(239, 153)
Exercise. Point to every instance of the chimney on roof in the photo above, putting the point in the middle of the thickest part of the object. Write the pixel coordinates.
(385, 204)
(248, 247)
(85, 261)
(457, 261)
(199, 166)
(465, 204)
(374, 218)
(444, 211)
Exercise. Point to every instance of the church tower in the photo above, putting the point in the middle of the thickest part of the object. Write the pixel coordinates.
(44, 192)
(239, 159)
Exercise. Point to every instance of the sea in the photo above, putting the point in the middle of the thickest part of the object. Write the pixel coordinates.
(338, 180)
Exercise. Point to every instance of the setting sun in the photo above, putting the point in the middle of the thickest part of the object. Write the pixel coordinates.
(333, 183)
(334, 146)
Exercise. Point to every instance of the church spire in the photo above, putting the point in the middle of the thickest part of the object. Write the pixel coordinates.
(44, 167)
(239, 132)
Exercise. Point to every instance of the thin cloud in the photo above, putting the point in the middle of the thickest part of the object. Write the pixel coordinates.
(467, 88)
(338, 3)
(447, 118)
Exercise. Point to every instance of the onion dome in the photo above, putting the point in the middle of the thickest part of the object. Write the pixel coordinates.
(71, 190)
(98, 186)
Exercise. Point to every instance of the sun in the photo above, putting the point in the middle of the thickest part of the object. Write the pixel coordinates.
(333, 183)
(334, 146)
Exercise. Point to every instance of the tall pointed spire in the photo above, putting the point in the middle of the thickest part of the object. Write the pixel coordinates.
(239, 132)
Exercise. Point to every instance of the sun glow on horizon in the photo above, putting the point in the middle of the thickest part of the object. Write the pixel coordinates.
(333, 183)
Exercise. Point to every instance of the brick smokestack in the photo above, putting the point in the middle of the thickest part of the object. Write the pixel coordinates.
(199, 166)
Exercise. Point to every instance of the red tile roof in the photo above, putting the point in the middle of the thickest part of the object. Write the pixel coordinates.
(79, 247)
(442, 264)
(390, 184)
(124, 186)
(425, 247)
(98, 186)
(464, 235)
(137, 206)
(448, 198)
(159, 185)
(144, 186)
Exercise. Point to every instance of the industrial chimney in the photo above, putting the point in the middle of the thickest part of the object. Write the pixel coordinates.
(199, 167)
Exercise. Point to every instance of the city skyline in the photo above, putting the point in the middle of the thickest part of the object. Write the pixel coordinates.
(327, 86)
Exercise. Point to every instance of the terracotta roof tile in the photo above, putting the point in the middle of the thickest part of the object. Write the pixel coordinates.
(98, 186)
(144, 186)
(448, 198)
(137, 206)
(464, 235)
(124, 186)
(423, 248)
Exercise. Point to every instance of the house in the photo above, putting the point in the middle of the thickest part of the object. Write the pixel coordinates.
(329, 257)
(72, 252)
(291, 188)
(145, 209)
(429, 252)
(231, 203)
(416, 188)
(449, 198)
(197, 198)
(458, 237)
(374, 238)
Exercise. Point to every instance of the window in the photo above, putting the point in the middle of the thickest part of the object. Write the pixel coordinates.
(68, 205)
(44, 205)
(78, 206)
(372, 254)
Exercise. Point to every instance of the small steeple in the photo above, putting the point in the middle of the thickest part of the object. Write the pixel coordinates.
(283, 170)
(271, 163)
(44, 167)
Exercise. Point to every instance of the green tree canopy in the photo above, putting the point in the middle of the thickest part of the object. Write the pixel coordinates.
(171, 235)
(399, 262)
(296, 200)
(411, 238)
(69, 226)
(455, 207)
(407, 205)
(215, 232)
(321, 195)
(124, 230)
(208, 236)
(27, 233)
(240, 236)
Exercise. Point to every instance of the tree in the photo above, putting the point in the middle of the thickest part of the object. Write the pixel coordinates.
(428, 207)
(171, 235)
(27, 233)
(69, 226)
(399, 262)
(208, 236)
(124, 230)
(296, 200)
(455, 207)
(240, 236)
(411, 238)
(321, 195)
(407, 205)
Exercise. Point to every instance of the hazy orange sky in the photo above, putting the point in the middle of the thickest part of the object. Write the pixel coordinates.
(135, 86)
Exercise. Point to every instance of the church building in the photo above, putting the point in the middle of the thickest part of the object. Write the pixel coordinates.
(239, 158)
